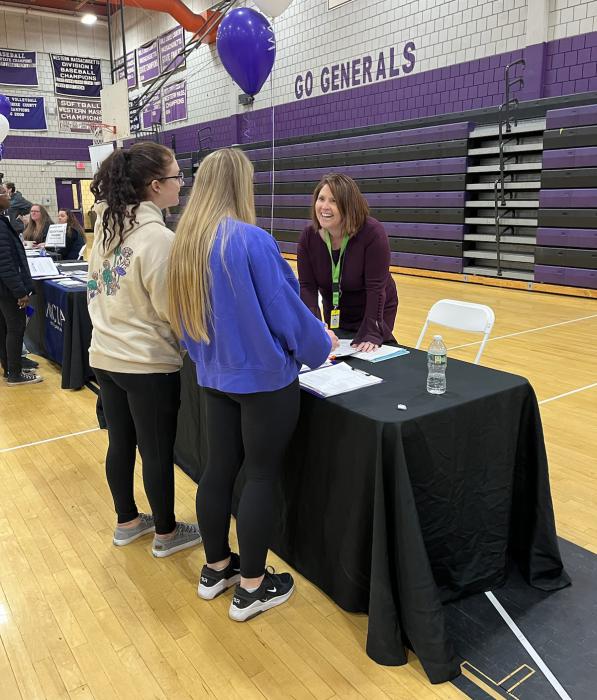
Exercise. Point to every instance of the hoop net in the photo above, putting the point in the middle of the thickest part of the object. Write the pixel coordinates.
(102, 132)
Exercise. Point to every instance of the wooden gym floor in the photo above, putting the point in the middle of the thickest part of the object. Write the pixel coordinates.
(80, 618)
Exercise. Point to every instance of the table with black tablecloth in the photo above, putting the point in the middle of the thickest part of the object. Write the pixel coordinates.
(60, 329)
(395, 512)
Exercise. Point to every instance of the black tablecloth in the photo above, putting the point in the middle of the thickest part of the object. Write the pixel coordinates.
(75, 329)
(395, 512)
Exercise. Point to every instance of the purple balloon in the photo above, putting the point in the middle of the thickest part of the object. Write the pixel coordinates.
(247, 47)
(5, 106)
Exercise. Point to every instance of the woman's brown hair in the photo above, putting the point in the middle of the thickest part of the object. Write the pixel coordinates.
(351, 204)
(35, 232)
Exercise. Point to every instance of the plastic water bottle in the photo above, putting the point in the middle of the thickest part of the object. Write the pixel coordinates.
(437, 360)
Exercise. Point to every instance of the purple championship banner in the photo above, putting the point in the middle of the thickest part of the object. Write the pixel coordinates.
(76, 116)
(170, 45)
(131, 69)
(152, 114)
(77, 77)
(27, 113)
(18, 68)
(149, 61)
(175, 102)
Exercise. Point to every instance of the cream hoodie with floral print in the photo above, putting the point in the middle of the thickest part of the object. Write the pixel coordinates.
(127, 294)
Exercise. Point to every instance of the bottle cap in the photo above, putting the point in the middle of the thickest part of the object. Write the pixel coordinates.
(437, 337)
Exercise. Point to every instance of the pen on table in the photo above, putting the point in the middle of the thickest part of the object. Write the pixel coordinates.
(356, 369)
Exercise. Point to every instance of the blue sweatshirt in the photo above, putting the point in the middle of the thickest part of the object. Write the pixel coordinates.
(260, 332)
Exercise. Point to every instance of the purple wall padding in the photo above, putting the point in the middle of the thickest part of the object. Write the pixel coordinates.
(571, 116)
(570, 158)
(385, 199)
(563, 199)
(46, 148)
(566, 276)
(408, 168)
(567, 237)
(441, 263)
(409, 137)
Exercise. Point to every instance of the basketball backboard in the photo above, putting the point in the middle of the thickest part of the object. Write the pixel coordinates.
(115, 110)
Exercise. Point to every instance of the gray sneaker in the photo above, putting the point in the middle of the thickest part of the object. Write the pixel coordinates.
(126, 535)
(185, 535)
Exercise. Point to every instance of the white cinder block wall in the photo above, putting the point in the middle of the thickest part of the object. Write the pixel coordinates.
(36, 178)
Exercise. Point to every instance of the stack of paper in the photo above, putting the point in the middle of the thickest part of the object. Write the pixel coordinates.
(336, 379)
(384, 352)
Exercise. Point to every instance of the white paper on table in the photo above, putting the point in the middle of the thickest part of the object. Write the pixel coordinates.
(306, 368)
(42, 267)
(344, 349)
(336, 379)
(68, 282)
(384, 352)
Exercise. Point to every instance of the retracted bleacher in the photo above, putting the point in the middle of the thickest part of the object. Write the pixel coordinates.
(414, 181)
(566, 251)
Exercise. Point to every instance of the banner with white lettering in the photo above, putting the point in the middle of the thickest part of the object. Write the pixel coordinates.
(27, 113)
(79, 77)
(175, 102)
(149, 61)
(76, 116)
(18, 68)
(170, 45)
(152, 114)
(131, 69)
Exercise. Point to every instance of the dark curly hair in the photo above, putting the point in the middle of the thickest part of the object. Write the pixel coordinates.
(122, 181)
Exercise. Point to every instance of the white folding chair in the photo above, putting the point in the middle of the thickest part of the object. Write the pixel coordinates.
(462, 315)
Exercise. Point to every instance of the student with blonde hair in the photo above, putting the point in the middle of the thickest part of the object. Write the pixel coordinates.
(235, 302)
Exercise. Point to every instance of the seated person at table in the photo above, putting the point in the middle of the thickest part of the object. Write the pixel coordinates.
(235, 301)
(75, 237)
(38, 225)
(16, 286)
(344, 255)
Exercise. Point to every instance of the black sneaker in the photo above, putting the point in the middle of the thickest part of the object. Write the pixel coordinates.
(212, 583)
(26, 363)
(275, 589)
(24, 378)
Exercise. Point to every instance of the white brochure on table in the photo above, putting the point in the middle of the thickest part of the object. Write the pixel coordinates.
(42, 267)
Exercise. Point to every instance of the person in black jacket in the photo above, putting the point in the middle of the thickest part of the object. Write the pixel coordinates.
(17, 208)
(75, 236)
(16, 286)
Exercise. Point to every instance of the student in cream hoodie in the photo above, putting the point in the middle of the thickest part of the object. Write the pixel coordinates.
(134, 353)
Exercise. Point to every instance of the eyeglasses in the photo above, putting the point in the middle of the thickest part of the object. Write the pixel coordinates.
(179, 177)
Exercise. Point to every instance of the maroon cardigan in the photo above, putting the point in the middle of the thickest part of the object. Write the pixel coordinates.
(369, 301)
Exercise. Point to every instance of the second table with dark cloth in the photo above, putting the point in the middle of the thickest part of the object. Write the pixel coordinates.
(395, 512)
(60, 329)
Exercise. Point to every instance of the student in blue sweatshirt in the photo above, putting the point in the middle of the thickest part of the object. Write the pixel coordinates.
(235, 303)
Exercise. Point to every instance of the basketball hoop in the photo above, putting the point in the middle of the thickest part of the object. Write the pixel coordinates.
(102, 133)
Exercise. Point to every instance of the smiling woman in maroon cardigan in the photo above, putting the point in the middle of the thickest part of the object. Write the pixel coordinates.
(344, 254)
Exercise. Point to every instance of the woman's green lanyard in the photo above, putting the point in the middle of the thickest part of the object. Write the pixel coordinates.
(336, 272)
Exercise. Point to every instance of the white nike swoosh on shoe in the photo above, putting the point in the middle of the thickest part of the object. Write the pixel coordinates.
(272, 590)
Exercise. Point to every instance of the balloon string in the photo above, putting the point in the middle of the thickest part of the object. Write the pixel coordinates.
(273, 177)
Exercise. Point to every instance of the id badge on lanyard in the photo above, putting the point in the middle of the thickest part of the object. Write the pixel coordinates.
(336, 273)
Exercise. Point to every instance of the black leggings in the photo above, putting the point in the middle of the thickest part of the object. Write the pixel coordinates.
(141, 410)
(250, 430)
(12, 330)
